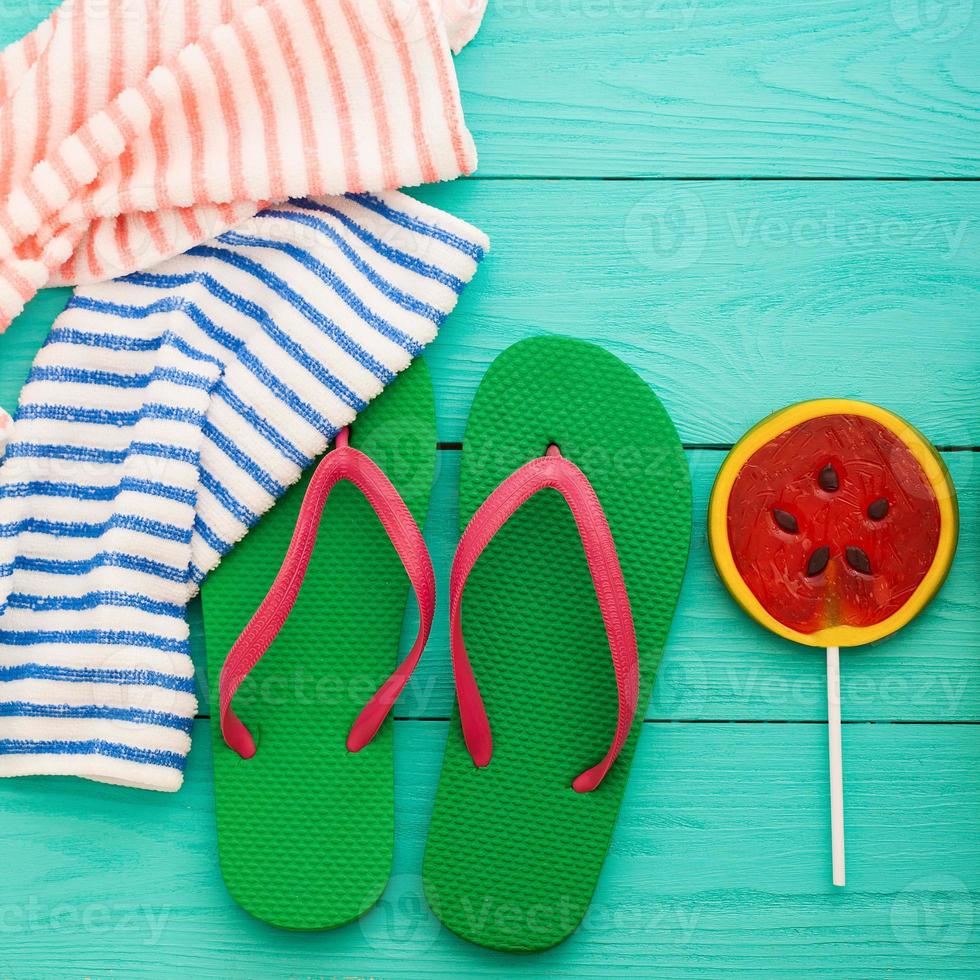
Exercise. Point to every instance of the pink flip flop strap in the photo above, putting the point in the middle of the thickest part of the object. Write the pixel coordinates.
(556, 472)
(343, 463)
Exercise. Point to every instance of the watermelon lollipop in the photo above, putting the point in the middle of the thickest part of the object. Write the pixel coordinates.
(833, 523)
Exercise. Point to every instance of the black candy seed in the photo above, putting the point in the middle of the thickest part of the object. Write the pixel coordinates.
(878, 509)
(785, 520)
(818, 561)
(828, 479)
(858, 559)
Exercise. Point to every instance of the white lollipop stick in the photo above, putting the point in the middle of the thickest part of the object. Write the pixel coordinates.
(836, 765)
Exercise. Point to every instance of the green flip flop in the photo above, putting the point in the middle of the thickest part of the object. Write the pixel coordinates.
(519, 832)
(306, 826)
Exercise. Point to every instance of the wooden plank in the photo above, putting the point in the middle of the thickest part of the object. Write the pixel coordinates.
(719, 867)
(732, 299)
(725, 87)
(683, 88)
(720, 665)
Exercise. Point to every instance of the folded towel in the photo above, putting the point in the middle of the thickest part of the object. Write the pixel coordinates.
(130, 131)
(167, 411)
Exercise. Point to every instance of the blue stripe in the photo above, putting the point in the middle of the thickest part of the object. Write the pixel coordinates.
(105, 559)
(282, 289)
(212, 539)
(92, 600)
(109, 638)
(88, 454)
(138, 716)
(392, 254)
(75, 491)
(167, 304)
(197, 575)
(91, 675)
(396, 295)
(101, 416)
(243, 461)
(112, 379)
(261, 426)
(233, 344)
(93, 746)
(224, 497)
(91, 338)
(341, 288)
(77, 529)
(375, 204)
(120, 342)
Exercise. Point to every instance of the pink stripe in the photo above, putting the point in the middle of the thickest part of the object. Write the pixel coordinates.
(449, 102)
(30, 47)
(429, 174)
(79, 79)
(8, 227)
(121, 229)
(161, 150)
(6, 139)
(230, 113)
(230, 215)
(153, 226)
(115, 19)
(152, 43)
(192, 25)
(43, 108)
(123, 204)
(34, 195)
(189, 217)
(67, 272)
(127, 164)
(98, 155)
(59, 166)
(338, 95)
(366, 55)
(92, 260)
(122, 122)
(307, 129)
(188, 101)
(272, 154)
(23, 286)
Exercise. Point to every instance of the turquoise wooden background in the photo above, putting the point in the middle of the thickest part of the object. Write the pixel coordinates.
(752, 204)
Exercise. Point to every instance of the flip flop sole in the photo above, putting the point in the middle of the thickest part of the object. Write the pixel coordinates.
(306, 828)
(514, 853)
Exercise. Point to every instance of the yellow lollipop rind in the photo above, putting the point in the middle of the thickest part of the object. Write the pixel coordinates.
(934, 469)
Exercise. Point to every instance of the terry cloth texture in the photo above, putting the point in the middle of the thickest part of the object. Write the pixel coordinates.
(131, 130)
(164, 415)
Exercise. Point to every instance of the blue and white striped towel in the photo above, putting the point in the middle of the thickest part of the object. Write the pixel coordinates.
(166, 412)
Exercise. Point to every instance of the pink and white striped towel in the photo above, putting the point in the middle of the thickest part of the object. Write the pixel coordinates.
(132, 130)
